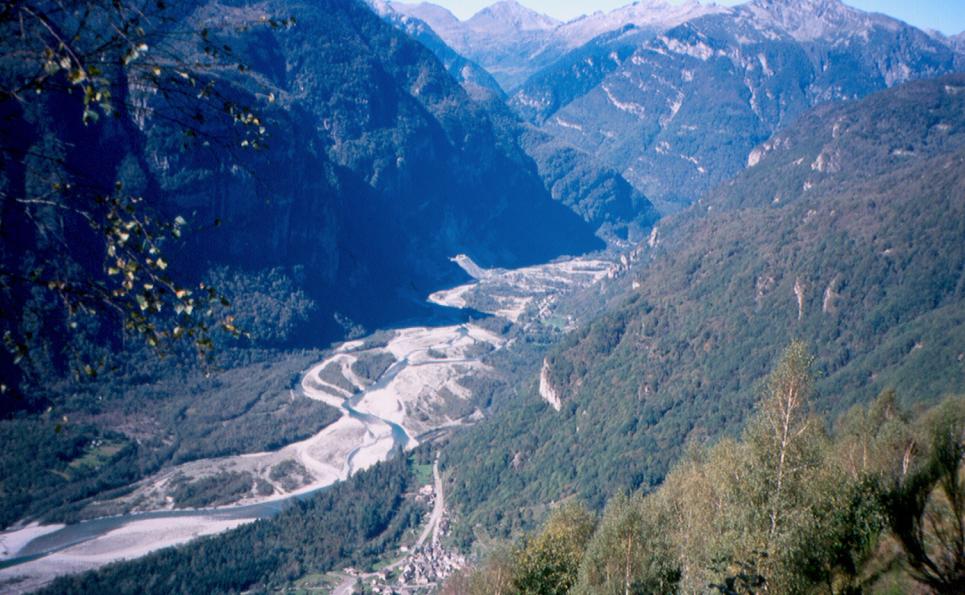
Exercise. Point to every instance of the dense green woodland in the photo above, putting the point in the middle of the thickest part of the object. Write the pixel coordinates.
(876, 505)
(234, 184)
(872, 501)
(350, 524)
(874, 240)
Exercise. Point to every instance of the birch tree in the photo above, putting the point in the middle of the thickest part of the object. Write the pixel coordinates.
(784, 413)
(631, 551)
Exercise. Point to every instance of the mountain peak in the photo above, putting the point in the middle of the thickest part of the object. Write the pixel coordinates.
(426, 11)
(512, 15)
(807, 20)
(644, 14)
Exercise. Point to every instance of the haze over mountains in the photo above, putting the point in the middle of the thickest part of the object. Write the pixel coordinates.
(513, 42)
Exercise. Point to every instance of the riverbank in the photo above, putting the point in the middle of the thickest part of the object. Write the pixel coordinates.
(391, 389)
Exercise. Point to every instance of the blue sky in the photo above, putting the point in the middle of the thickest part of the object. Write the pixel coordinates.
(947, 16)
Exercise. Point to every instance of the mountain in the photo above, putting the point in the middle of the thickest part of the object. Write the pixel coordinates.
(846, 232)
(654, 15)
(957, 42)
(589, 48)
(476, 80)
(597, 193)
(513, 42)
(505, 38)
(507, 18)
(678, 114)
(379, 167)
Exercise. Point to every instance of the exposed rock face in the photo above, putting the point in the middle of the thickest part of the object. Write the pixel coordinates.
(653, 15)
(380, 166)
(546, 389)
(958, 41)
(513, 42)
(716, 303)
(799, 296)
(506, 38)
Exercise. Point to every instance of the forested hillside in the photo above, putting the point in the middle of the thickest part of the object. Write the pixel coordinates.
(874, 505)
(848, 233)
(236, 242)
(374, 167)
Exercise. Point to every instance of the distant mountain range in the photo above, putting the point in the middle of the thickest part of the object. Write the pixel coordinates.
(403, 171)
(675, 96)
(379, 166)
(598, 193)
(808, 157)
(513, 42)
(476, 80)
(679, 113)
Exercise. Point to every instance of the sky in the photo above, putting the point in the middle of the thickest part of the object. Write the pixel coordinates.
(947, 16)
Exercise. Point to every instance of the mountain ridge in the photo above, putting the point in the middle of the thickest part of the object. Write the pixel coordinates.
(846, 233)
(509, 16)
(513, 41)
(650, 111)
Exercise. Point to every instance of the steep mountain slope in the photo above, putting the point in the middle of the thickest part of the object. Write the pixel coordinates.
(958, 41)
(381, 167)
(478, 83)
(576, 73)
(378, 168)
(680, 113)
(654, 15)
(598, 194)
(514, 42)
(847, 232)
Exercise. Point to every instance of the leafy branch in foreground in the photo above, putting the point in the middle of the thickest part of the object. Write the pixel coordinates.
(71, 74)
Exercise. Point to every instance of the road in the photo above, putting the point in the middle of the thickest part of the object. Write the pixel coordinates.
(437, 510)
(433, 527)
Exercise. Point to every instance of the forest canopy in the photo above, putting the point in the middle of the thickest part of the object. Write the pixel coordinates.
(875, 505)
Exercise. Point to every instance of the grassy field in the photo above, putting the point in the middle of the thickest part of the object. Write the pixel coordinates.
(422, 473)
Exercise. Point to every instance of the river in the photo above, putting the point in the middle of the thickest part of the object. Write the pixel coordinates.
(410, 398)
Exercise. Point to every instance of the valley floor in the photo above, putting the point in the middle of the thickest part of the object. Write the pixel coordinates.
(391, 389)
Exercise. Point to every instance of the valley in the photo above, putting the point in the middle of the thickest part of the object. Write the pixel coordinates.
(394, 389)
(362, 296)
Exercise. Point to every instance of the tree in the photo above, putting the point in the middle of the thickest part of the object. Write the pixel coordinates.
(630, 551)
(493, 577)
(926, 505)
(549, 562)
(784, 412)
(738, 509)
(79, 81)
